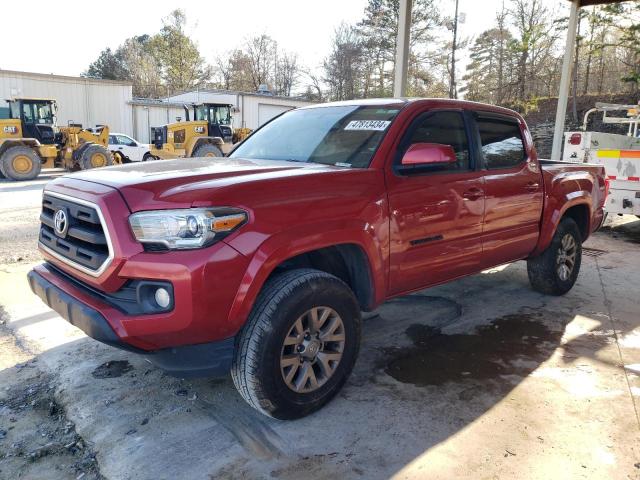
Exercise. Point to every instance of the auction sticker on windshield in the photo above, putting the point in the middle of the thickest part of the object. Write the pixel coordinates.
(367, 125)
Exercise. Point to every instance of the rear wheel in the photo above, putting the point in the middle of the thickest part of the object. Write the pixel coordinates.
(554, 271)
(299, 344)
(207, 150)
(147, 156)
(20, 163)
(95, 156)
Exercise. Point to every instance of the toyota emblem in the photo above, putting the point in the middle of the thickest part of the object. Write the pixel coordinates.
(61, 223)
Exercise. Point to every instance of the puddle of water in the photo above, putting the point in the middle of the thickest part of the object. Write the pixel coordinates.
(112, 369)
(500, 348)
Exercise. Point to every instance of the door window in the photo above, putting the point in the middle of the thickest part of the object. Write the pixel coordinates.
(27, 112)
(446, 128)
(124, 140)
(113, 140)
(501, 141)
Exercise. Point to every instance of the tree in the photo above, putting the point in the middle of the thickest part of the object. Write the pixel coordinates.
(485, 77)
(286, 74)
(109, 66)
(344, 66)
(181, 65)
(260, 52)
(534, 43)
(378, 31)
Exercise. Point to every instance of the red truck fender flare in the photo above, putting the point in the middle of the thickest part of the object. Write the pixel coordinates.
(551, 220)
(290, 243)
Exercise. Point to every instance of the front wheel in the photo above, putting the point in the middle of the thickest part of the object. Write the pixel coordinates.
(554, 271)
(20, 163)
(299, 345)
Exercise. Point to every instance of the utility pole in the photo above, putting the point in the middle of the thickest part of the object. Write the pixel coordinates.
(402, 49)
(453, 91)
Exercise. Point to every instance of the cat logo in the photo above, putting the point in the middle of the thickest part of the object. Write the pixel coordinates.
(199, 129)
(10, 129)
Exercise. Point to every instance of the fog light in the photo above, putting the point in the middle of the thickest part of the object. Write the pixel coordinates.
(163, 299)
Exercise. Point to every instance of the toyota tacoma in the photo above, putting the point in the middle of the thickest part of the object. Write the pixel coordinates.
(261, 263)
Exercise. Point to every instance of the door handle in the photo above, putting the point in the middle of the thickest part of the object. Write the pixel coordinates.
(532, 186)
(119, 148)
(473, 194)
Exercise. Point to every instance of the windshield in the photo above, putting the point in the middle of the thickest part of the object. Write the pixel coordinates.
(221, 115)
(41, 112)
(217, 114)
(346, 136)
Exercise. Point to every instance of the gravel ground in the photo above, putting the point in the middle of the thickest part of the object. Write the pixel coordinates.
(37, 440)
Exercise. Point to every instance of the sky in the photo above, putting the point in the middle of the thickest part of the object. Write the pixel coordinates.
(61, 43)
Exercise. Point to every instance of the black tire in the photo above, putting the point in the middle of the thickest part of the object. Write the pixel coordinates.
(95, 156)
(20, 163)
(207, 150)
(147, 156)
(119, 159)
(256, 368)
(544, 270)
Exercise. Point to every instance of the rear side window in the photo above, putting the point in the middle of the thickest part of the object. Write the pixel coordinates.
(501, 141)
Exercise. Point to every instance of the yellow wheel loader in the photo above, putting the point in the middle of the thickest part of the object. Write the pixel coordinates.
(30, 141)
(209, 134)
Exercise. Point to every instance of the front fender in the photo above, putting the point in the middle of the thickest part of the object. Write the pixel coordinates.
(290, 243)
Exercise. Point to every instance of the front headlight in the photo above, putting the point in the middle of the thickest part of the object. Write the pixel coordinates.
(186, 228)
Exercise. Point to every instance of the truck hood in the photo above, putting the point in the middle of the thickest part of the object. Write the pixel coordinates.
(187, 182)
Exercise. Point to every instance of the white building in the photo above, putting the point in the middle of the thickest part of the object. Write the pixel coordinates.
(92, 102)
(87, 101)
(251, 109)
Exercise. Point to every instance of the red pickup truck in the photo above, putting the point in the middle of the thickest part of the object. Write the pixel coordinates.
(261, 263)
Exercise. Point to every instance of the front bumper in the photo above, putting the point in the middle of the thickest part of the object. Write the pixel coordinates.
(186, 361)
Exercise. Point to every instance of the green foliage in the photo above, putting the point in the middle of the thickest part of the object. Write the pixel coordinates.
(165, 63)
(109, 65)
(181, 65)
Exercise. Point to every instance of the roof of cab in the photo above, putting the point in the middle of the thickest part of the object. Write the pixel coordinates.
(439, 102)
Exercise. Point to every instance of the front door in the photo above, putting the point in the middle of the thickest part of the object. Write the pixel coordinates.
(436, 211)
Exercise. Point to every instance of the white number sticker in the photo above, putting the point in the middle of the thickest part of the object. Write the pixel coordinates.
(367, 125)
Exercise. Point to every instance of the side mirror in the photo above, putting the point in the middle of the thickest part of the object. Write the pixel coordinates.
(420, 154)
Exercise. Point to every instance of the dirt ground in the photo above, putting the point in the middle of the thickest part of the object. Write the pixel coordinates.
(479, 379)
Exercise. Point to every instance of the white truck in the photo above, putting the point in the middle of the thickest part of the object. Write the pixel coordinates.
(618, 153)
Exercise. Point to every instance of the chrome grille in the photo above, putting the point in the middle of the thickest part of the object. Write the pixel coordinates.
(83, 243)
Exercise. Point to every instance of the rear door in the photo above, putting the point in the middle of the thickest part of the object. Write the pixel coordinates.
(513, 186)
(436, 210)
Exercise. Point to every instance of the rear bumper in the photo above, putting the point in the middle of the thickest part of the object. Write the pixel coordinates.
(200, 360)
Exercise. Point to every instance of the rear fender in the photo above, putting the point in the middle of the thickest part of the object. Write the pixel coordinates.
(6, 143)
(567, 191)
(288, 244)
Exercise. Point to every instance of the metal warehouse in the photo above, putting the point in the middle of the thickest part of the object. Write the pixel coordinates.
(80, 100)
(92, 102)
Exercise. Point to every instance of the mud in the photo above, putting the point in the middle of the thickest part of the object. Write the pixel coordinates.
(37, 440)
(500, 348)
(112, 369)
